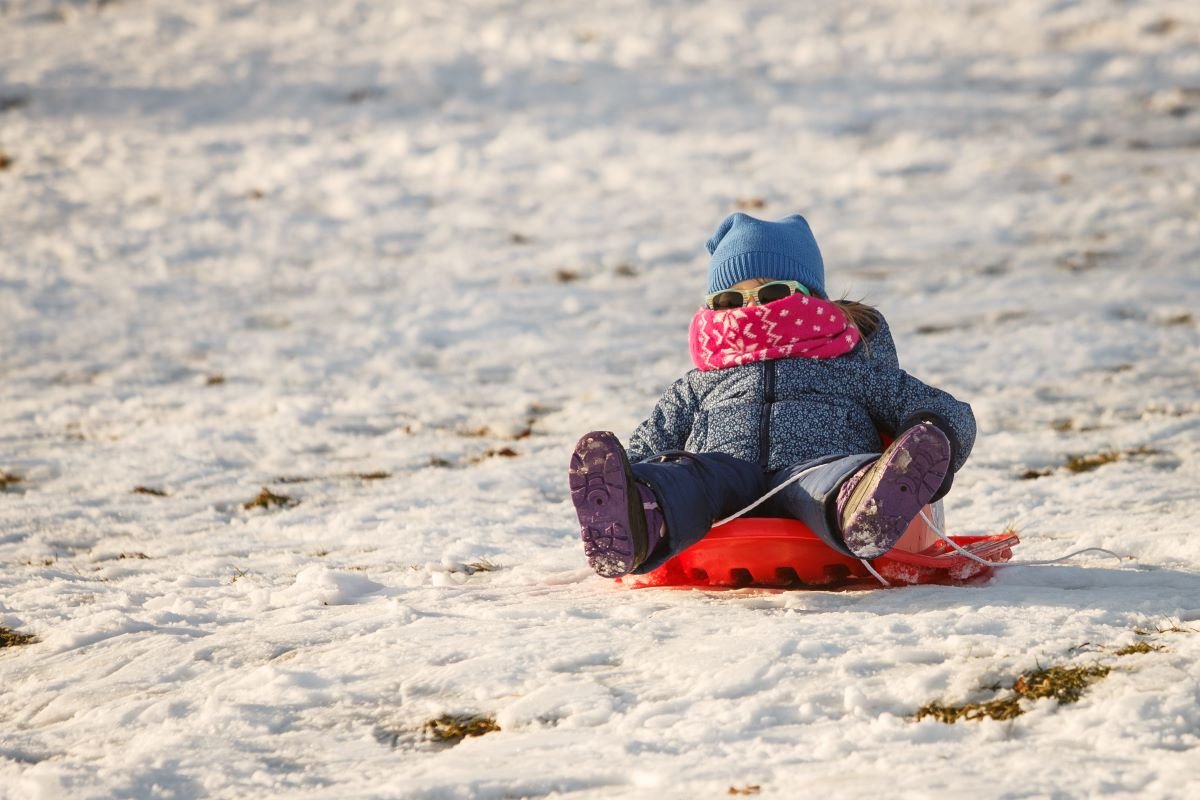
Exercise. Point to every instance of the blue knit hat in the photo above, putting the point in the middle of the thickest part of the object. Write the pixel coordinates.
(744, 247)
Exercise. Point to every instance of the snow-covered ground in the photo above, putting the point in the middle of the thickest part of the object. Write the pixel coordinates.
(391, 259)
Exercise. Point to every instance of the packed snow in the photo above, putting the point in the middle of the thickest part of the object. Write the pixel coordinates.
(388, 261)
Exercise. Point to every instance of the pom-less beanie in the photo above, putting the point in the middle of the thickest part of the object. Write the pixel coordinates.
(744, 247)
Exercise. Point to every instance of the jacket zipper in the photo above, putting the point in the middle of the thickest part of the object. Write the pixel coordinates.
(764, 424)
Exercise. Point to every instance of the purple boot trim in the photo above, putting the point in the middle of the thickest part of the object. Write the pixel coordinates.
(612, 522)
(656, 521)
(890, 494)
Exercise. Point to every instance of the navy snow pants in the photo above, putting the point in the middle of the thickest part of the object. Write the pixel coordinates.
(697, 489)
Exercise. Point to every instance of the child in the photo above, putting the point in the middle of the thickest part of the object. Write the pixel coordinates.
(788, 386)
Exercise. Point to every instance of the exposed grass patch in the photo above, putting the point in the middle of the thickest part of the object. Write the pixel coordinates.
(377, 475)
(741, 791)
(1085, 261)
(363, 94)
(5, 161)
(1068, 425)
(486, 432)
(1091, 461)
(11, 638)
(373, 475)
(996, 709)
(11, 102)
(150, 490)
(294, 479)
(482, 565)
(933, 328)
(751, 203)
(1087, 463)
(135, 556)
(216, 379)
(1162, 27)
(1034, 474)
(450, 729)
(1078, 464)
(8, 479)
(268, 499)
(1064, 684)
(1170, 628)
(1137, 648)
(566, 275)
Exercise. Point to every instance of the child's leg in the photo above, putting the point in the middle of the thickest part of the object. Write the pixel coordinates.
(877, 505)
(861, 505)
(693, 491)
(812, 498)
(622, 507)
(610, 506)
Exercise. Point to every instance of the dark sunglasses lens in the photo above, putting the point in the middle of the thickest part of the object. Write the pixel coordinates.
(727, 300)
(774, 291)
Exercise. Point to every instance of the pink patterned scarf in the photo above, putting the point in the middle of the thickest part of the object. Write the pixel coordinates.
(795, 327)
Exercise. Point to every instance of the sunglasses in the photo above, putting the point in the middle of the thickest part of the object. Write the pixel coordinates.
(759, 295)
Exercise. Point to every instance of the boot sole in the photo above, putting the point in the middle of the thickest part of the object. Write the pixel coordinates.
(891, 495)
(611, 521)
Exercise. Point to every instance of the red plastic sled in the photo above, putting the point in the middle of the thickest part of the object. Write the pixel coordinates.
(784, 553)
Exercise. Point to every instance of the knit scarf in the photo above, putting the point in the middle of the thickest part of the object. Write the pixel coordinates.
(798, 326)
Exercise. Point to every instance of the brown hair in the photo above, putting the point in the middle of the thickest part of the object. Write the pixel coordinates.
(861, 315)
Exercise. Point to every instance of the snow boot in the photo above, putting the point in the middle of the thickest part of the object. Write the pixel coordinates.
(620, 520)
(876, 505)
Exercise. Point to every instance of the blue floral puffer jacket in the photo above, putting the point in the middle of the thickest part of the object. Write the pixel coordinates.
(785, 412)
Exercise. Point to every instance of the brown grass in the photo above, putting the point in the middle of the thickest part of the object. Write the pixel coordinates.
(1034, 474)
(1138, 648)
(1077, 464)
(376, 475)
(1087, 463)
(1064, 684)
(8, 479)
(750, 203)
(11, 638)
(1171, 628)
(268, 499)
(448, 729)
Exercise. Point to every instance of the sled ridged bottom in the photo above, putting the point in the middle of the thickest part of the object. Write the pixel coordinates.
(784, 553)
